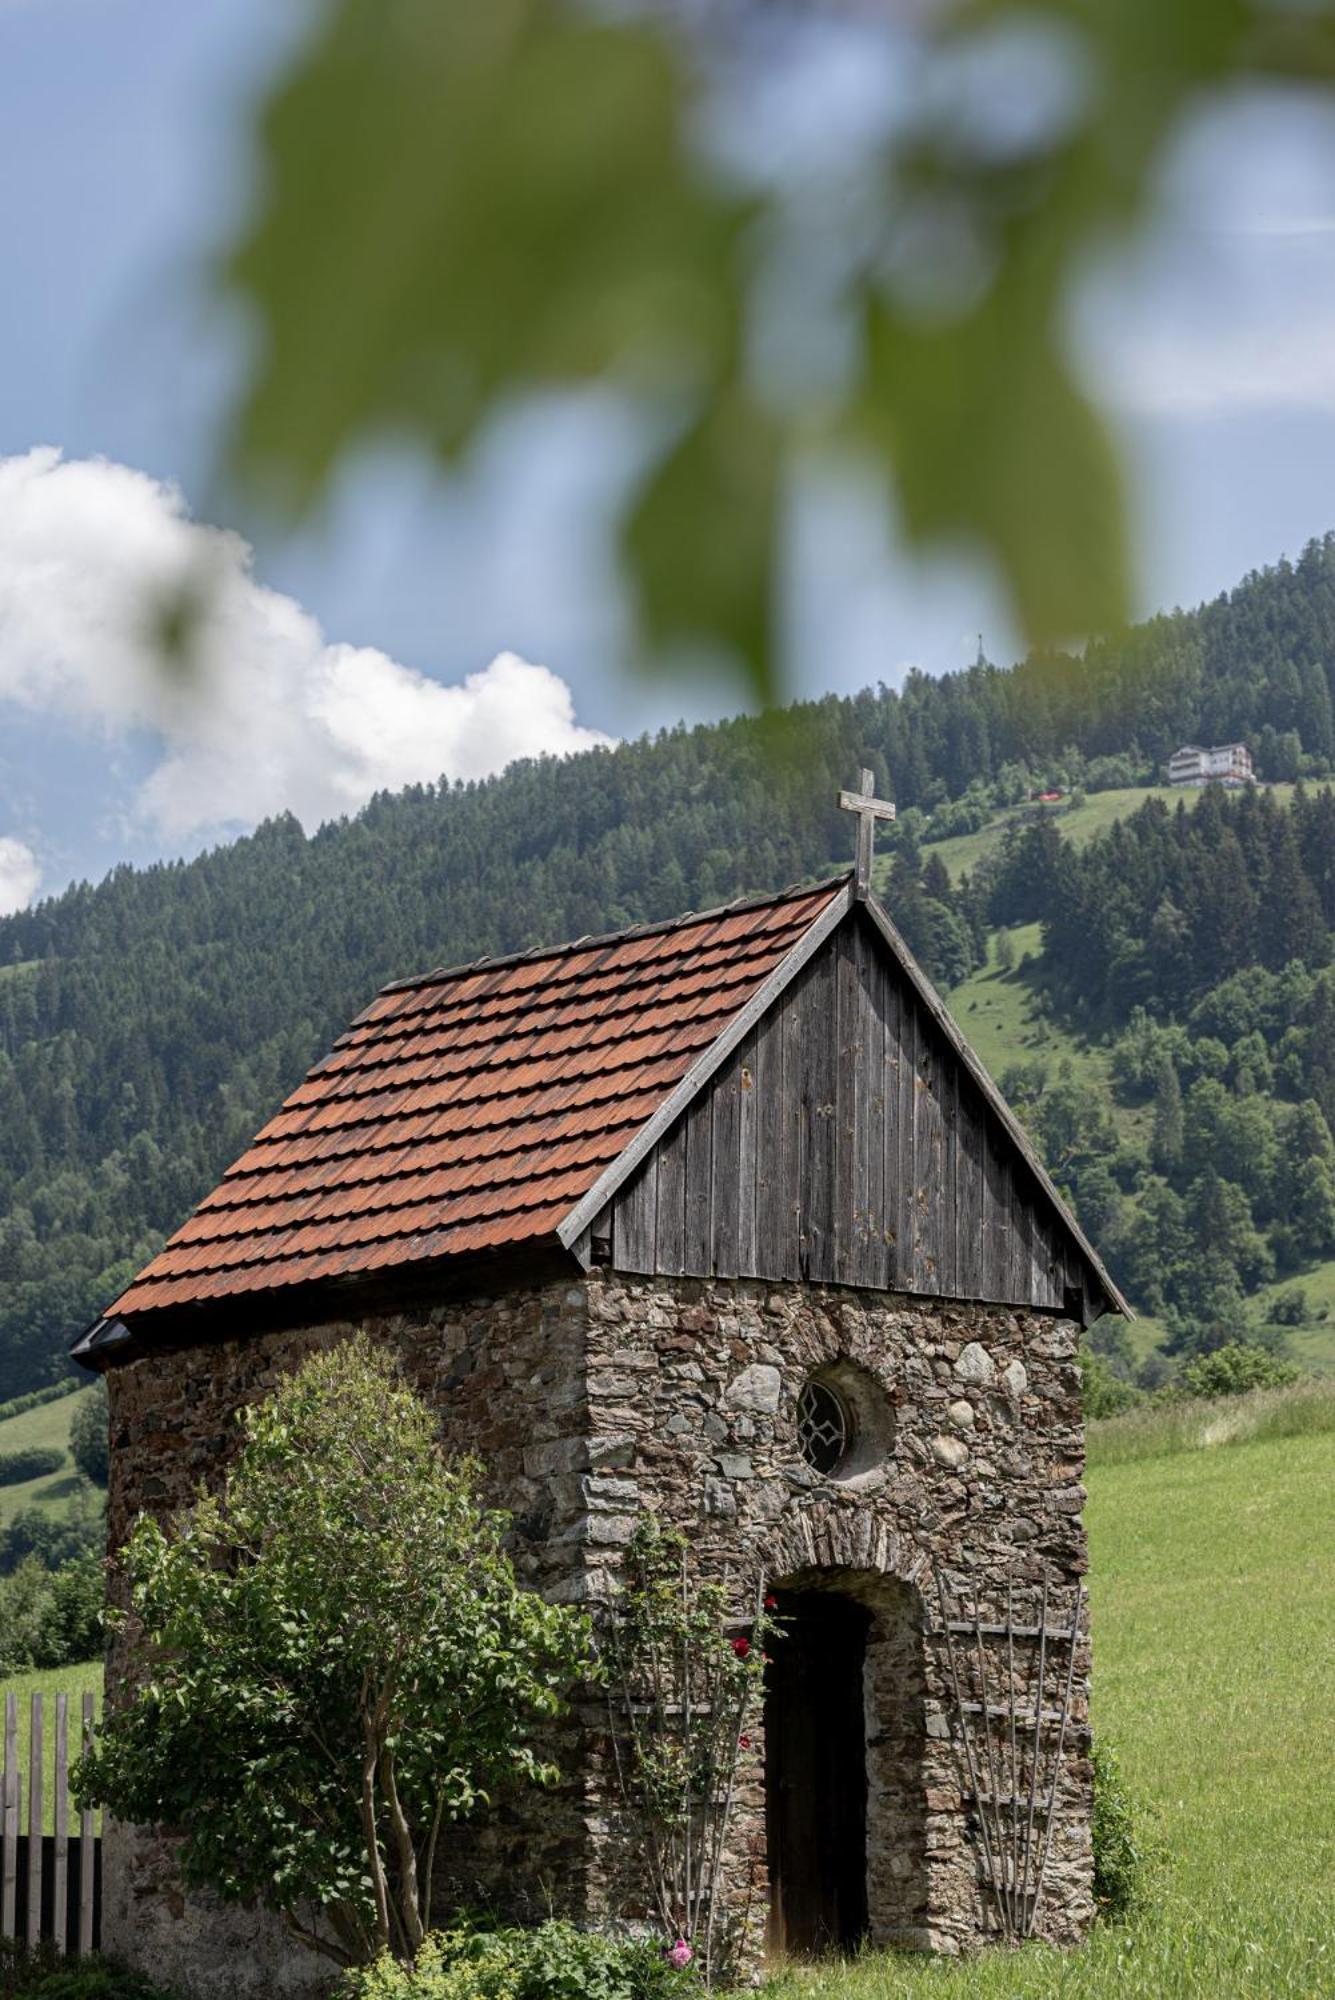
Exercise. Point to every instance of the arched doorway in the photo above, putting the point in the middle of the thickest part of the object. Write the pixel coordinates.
(844, 1796)
(816, 1773)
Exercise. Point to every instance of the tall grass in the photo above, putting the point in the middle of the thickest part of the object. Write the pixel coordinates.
(1156, 1430)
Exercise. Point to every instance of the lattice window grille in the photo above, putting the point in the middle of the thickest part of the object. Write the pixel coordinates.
(824, 1427)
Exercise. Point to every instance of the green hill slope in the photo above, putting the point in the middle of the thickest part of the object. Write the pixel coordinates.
(1001, 1012)
(1076, 823)
(49, 1426)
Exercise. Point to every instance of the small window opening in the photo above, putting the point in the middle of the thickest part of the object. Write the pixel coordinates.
(824, 1427)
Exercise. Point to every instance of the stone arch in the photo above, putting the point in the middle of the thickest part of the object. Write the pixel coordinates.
(831, 1534)
(840, 1550)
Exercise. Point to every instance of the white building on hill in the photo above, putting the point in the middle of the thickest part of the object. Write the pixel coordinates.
(1225, 764)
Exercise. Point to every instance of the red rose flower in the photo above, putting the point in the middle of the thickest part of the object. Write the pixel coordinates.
(741, 1646)
(744, 1742)
(771, 1604)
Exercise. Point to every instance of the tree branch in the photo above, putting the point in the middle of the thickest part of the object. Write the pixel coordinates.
(314, 1942)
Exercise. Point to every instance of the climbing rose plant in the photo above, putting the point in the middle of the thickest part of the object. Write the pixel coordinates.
(682, 1669)
(337, 1663)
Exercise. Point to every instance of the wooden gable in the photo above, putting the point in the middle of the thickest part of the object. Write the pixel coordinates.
(849, 1139)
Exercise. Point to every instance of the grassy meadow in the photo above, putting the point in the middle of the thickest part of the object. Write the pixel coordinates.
(48, 1424)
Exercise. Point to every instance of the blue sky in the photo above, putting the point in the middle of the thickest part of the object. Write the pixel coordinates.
(122, 158)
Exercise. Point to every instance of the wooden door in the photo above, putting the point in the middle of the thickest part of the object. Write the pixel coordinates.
(816, 1774)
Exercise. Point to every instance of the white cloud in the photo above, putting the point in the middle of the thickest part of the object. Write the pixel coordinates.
(20, 872)
(1280, 365)
(1280, 227)
(276, 717)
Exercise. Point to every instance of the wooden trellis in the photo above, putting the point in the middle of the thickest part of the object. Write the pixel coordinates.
(1011, 1681)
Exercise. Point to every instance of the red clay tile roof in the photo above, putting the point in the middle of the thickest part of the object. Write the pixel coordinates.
(471, 1109)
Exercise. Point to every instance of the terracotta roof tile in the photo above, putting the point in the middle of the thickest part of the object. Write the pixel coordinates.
(470, 1110)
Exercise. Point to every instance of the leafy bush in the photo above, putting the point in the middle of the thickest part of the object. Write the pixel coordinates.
(1234, 1370)
(96, 1982)
(553, 1961)
(55, 1539)
(1125, 1842)
(40, 1975)
(338, 1662)
(1292, 1307)
(89, 1445)
(51, 1618)
(1104, 1393)
(33, 1462)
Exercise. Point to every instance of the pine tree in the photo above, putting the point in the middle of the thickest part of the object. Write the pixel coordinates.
(1166, 1139)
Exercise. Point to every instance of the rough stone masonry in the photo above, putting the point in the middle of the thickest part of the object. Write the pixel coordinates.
(594, 1399)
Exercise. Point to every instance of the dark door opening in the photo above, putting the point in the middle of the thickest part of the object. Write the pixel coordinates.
(816, 1774)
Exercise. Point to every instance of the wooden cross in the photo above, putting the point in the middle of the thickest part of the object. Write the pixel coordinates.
(868, 809)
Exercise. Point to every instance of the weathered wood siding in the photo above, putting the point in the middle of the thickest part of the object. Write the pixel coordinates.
(845, 1143)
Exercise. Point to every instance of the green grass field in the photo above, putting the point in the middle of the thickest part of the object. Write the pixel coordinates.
(1000, 1014)
(1213, 1585)
(48, 1424)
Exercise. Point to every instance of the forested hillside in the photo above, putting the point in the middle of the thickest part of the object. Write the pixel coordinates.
(1190, 955)
(148, 1025)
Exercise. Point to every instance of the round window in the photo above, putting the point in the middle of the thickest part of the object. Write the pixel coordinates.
(825, 1430)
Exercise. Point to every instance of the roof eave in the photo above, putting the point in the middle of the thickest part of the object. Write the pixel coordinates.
(314, 1302)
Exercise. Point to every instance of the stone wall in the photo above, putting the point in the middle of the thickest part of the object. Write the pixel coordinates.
(692, 1391)
(591, 1400)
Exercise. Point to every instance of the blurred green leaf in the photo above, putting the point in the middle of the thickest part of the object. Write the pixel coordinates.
(988, 437)
(462, 204)
(701, 537)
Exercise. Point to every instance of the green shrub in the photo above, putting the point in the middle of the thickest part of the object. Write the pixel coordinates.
(1293, 1307)
(554, 1961)
(1104, 1393)
(97, 1982)
(336, 1642)
(55, 1539)
(1125, 1847)
(51, 1618)
(40, 1975)
(33, 1462)
(1234, 1370)
(89, 1443)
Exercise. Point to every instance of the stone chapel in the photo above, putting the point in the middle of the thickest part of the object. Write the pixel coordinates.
(720, 1217)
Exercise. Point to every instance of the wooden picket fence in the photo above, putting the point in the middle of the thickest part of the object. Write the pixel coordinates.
(50, 1883)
